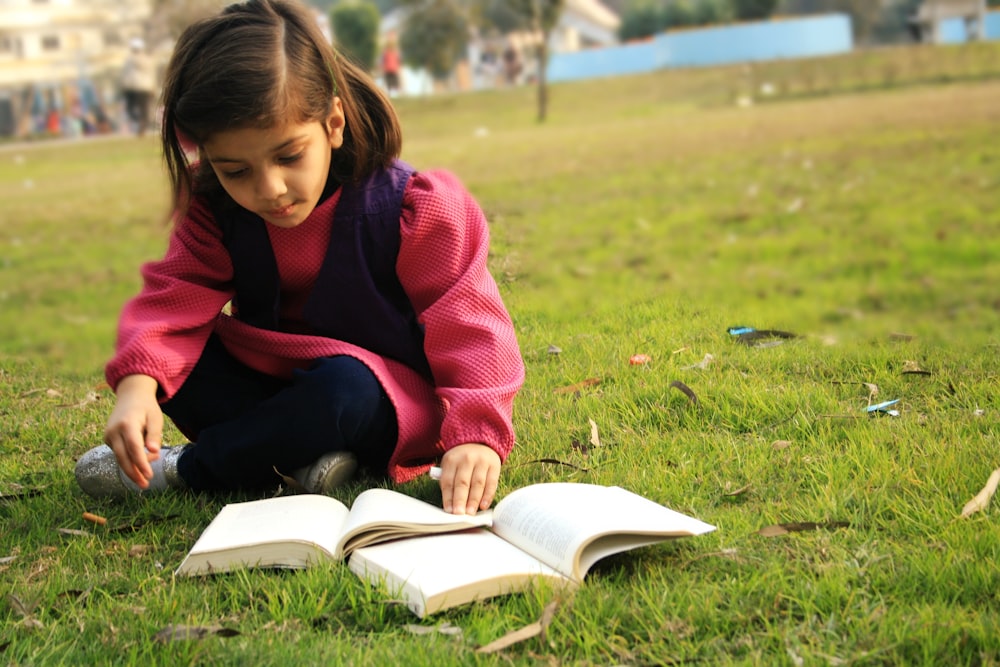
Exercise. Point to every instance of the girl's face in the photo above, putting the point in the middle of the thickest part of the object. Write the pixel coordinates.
(278, 173)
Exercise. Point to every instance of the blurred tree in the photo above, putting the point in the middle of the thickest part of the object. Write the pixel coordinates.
(749, 10)
(542, 15)
(640, 21)
(645, 18)
(355, 29)
(434, 36)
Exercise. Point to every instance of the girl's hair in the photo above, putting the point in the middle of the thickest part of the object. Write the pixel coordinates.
(258, 64)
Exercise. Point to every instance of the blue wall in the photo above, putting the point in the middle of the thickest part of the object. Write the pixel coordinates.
(952, 31)
(766, 40)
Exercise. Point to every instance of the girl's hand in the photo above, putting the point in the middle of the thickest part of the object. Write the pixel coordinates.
(469, 475)
(135, 428)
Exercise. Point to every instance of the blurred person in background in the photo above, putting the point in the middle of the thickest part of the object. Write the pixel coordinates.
(138, 84)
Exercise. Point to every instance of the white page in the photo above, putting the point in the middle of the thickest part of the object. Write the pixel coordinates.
(554, 521)
(451, 568)
(394, 509)
(302, 518)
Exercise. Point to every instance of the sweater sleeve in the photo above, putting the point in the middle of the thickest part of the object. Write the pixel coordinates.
(163, 330)
(469, 338)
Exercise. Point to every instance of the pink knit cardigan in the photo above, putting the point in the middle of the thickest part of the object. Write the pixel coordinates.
(469, 337)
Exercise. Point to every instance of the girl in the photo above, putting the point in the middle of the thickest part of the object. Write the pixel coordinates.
(320, 305)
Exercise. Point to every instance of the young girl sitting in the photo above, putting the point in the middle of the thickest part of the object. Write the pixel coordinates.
(321, 305)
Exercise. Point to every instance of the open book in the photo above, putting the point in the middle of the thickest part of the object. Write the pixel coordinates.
(296, 531)
(552, 532)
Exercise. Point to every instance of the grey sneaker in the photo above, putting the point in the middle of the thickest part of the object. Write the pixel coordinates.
(98, 474)
(327, 472)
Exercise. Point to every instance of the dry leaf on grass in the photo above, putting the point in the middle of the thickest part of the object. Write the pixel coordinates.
(443, 629)
(573, 388)
(703, 364)
(798, 527)
(91, 397)
(175, 633)
(536, 629)
(686, 390)
(595, 439)
(982, 499)
(555, 462)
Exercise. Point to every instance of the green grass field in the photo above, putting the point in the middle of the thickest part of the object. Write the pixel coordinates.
(645, 217)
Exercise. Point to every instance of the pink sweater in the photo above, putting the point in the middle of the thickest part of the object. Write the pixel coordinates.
(469, 338)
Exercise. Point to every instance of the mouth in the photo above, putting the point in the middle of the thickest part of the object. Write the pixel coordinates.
(282, 212)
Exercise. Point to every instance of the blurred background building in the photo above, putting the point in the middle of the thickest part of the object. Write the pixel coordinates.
(60, 61)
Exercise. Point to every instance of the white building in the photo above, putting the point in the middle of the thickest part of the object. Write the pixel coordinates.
(55, 50)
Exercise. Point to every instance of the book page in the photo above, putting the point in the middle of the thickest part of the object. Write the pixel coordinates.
(572, 526)
(291, 531)
(302, 518)
(435, 572)
(378, 515)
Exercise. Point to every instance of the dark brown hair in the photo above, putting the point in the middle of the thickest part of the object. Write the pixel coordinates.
(258, 64)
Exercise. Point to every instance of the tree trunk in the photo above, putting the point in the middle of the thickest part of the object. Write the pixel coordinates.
(543, 85)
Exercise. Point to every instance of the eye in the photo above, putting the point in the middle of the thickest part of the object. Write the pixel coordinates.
(233, 174)
(290, 159)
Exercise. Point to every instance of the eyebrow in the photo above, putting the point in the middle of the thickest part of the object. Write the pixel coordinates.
(276, 149)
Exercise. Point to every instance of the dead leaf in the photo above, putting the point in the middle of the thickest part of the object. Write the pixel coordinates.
(899, 335)
(910, 366)
(7, 559)
(91, 397)
(736, 492)
(982, 499)
(174, 633)
(778, 445)
(595, 439)
(443, 628)
(686, 390)
(872, 389)
(639, 359)
(74, 531)
(703, 364)
(23, 609)
(573, 388)
(555, 461)
(536, 629)
(554, 350)
(292, 483)
(139, 550)
(798, 527)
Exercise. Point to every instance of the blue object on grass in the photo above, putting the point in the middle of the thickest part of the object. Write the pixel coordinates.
(881, 407)
(739, 331)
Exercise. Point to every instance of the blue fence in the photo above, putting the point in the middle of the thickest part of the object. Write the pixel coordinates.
(718, 45)
(954, 31)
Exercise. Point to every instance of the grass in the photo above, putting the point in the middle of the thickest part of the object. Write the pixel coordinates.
(648, 215)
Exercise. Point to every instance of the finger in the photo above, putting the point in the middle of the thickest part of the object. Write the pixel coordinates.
(117, 444)
(476, 487)
(135, 450)
(154, 434)
(446, 481)
(490, 490)
(460, 492)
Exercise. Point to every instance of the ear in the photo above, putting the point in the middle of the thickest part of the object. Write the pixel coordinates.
(335, 124)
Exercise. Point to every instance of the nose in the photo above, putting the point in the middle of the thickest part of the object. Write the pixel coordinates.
(271, 184)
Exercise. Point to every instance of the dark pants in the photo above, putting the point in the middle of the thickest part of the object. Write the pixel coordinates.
(246, 424)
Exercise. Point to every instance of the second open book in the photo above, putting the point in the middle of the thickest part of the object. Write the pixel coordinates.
(436, 560)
